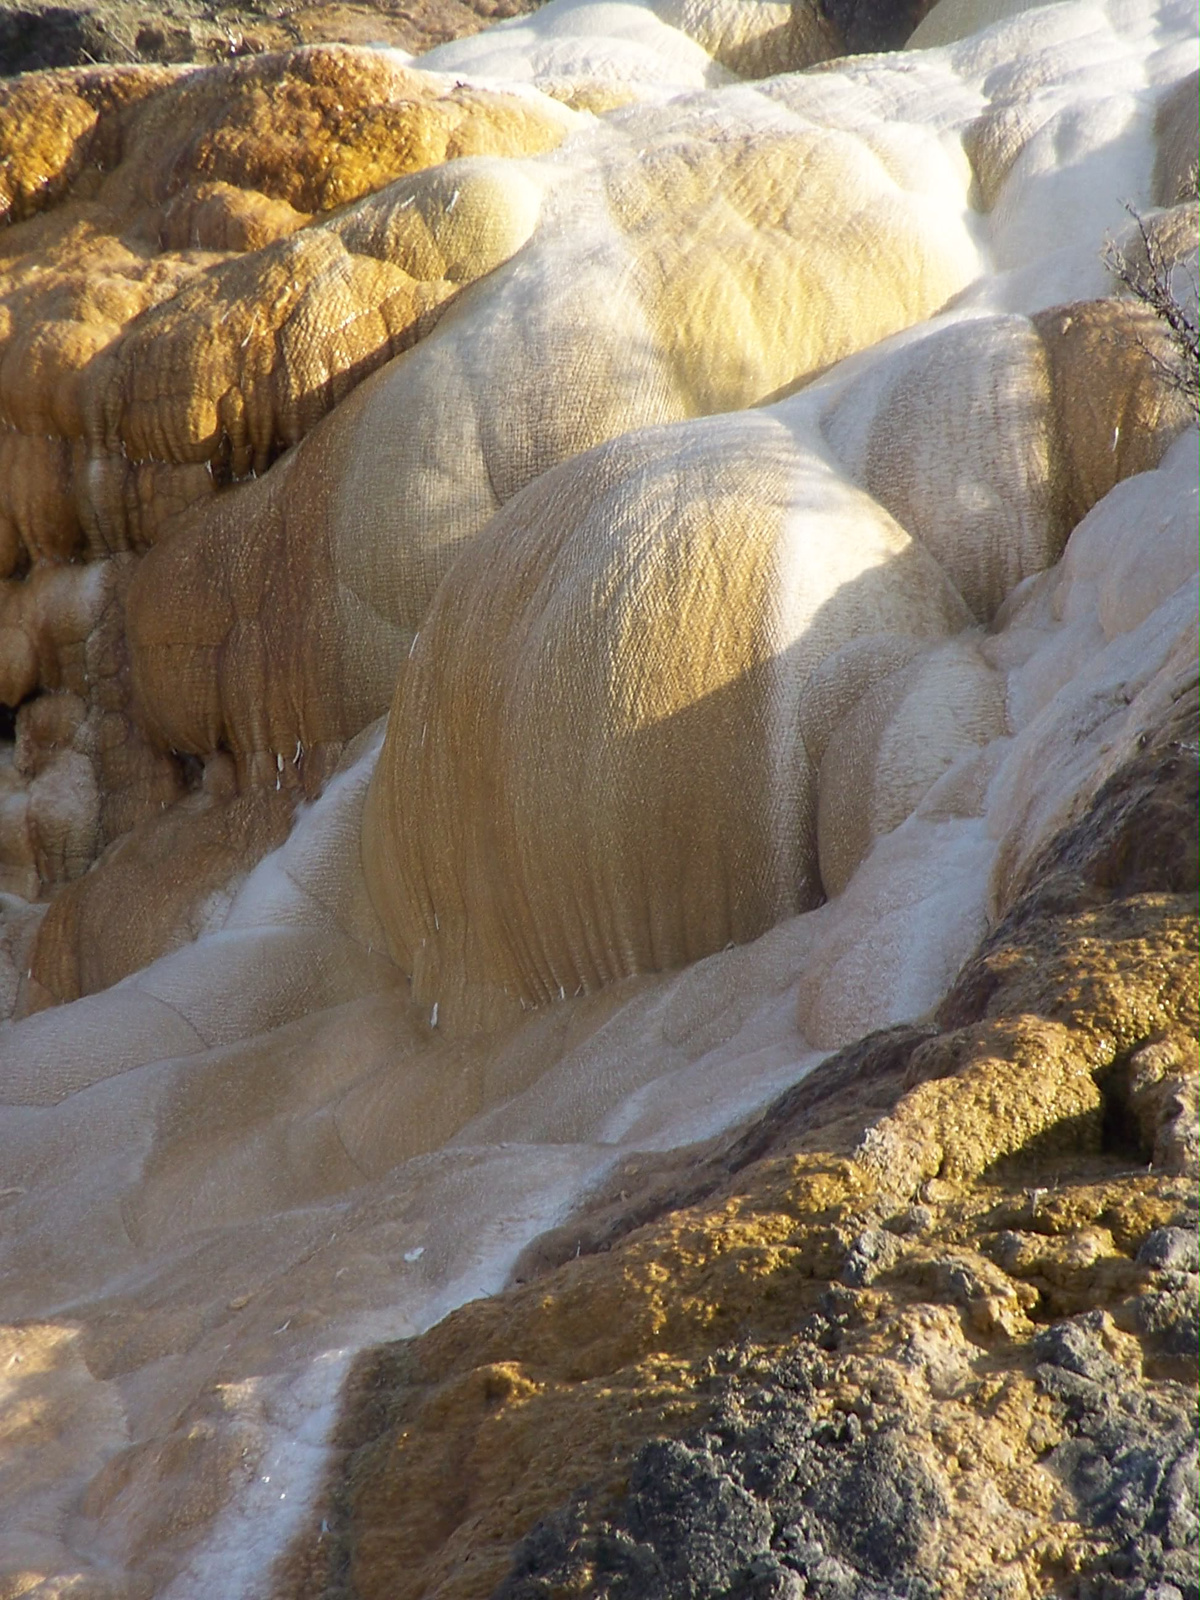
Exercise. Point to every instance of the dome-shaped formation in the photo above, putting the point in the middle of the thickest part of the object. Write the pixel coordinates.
(593, 765)
(758, 238)
(168, 317)
(704, 274)
(679, 686)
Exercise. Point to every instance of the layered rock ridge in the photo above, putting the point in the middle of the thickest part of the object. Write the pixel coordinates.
(926, 1327)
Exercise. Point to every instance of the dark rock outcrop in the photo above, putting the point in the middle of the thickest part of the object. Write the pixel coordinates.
(925, 1328)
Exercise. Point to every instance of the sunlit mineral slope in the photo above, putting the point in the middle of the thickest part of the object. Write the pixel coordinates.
(546, 591)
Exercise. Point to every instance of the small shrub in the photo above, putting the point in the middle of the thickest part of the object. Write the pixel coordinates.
(1150, 281)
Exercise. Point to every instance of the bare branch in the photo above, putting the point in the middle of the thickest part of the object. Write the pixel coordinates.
(1151, 283)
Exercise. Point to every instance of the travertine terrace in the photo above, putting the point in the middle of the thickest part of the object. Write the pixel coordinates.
(624, 586)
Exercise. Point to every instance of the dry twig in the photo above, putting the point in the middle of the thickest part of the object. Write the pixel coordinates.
(1151, 283)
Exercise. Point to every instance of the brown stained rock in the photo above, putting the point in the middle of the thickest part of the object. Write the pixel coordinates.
(248, 356)
(176, 309)
(1099, 350)
(36, 34)
(103, 926)
(914, 1321)
(167, 320)
(129, 186)
(54, 126)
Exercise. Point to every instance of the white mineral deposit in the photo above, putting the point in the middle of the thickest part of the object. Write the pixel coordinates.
(750, 527)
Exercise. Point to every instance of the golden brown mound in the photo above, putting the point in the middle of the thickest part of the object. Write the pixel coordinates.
(146, 182)
(732, 785)
(359, 523)
(195, 854)
(1115, 418)
(315, 127)
(564, 642)
(928, 1266)
(177, 306)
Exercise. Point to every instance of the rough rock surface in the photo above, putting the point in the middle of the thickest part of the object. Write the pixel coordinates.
(36, 34)
(926, 1329)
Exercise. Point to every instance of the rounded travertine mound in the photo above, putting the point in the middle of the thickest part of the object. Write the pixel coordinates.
(754, 237)
(594, 765)
(691, 276)
(756, 39)
(619, 52)
(955, 433)
(53, 123)
(559, 802)
(633, 49)
(247, 357)
(680, 263)
(170, 311)
(314, 128)
(907, 728)
(960, 433)
(951, 20)
(991, 437)
(1117, 416)
(175, 311)
(106, 924)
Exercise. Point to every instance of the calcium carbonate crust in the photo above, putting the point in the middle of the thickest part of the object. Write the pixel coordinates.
(547, 588)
